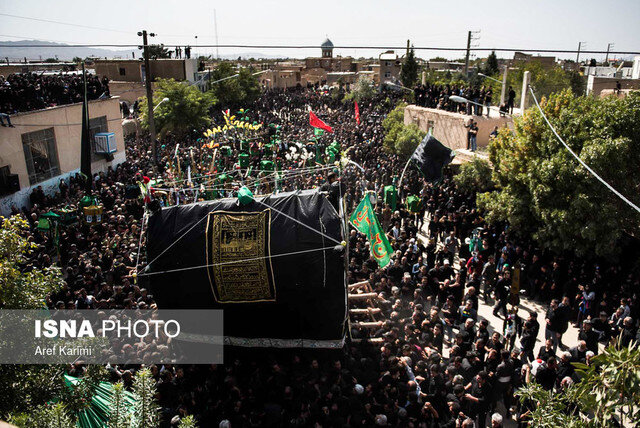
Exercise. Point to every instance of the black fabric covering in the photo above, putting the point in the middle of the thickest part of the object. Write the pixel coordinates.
(431, 156)
(310, 287)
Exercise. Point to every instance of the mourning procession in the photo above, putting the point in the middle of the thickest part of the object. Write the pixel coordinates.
(340, 215)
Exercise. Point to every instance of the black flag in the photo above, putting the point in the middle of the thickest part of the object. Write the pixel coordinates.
(85, 139)
(431, 156)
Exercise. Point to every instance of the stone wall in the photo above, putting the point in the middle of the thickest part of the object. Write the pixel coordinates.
(449, 127)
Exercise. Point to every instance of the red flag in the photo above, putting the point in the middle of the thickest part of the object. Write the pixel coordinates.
(357, 114)
(317, 123)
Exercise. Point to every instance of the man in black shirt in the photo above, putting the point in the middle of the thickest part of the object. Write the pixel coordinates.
(547, 374)
(552, 327)
(511, 99)
(589, 336)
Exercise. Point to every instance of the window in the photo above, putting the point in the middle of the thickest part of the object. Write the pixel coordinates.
(123, 71)
(387, 74)
(41, 155)
(97, 124)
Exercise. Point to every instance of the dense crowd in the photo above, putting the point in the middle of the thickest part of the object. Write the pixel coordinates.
(34, 91)
(481, 98)
(431, 361)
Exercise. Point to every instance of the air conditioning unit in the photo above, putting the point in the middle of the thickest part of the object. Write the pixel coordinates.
(105, 142)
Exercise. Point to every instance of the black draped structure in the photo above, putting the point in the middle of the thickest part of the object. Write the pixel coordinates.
(222, 255)
(431, 156)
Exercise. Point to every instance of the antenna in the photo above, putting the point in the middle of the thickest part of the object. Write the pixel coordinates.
(215, 26)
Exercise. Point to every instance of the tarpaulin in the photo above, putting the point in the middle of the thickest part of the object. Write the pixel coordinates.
(271, 276)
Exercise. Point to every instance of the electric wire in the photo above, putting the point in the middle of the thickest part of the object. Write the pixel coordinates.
(620, 195)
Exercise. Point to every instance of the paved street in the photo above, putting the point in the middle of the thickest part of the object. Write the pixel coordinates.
(485, 311)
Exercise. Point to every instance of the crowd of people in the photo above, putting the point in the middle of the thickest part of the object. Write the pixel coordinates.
(33, 91)
(431, 361)
(481, 98)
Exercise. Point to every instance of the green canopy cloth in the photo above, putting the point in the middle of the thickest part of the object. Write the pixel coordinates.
(97, 414)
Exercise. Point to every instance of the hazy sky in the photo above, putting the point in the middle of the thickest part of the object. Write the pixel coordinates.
(539, 24)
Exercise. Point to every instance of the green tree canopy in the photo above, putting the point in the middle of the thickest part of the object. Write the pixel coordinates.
(393, 124)
(186, 109)
(20, 289)
(491, 66)
(236, 92)
(158, 51)
(607, 395)
(364, 89)
(409, 71)
(542, 190)
(474, 176)
(408, 139)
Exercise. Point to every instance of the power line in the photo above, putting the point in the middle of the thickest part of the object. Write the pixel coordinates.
(66, 23)
(426, 48)
(620, 195)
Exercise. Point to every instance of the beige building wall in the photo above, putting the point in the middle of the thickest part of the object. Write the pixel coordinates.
(329, 64)
(449, 127)
(130, 70)
(120, 70)
(595, 85)
(129, 91)
(66, 123)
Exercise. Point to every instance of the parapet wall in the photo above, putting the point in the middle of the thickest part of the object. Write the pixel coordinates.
(449, 127)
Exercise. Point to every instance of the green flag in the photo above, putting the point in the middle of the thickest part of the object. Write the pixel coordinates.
(364, 219)
(318, 132)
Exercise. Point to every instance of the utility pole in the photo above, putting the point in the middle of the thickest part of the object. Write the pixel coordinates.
(580, 46)
(609, 46)
(466, 58)
(470, 38)
(147, 79)
(215, 26)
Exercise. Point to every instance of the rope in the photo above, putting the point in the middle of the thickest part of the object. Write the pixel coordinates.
(177, 239)
(144, 218)
(620, 195)
(235, 261)
(299, 222)
(311, 168)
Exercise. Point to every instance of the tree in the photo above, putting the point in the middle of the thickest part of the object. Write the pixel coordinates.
(408, 139)
(491, 66)
(409, 71)
(26, 387)
(49, 416)
(363, 90)
(158, 51)
(234, 92)
(186, 109)
(20, 288)
(542, 190)
(392, 125)
(608, 394)
(119, 415)
(145, 409)
(187, 422)
(474, 176)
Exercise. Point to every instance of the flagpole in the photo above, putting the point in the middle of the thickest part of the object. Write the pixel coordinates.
(403, 171)
(407, 165)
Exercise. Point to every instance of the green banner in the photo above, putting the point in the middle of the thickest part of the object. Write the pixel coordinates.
(364, 219)
(318, 132)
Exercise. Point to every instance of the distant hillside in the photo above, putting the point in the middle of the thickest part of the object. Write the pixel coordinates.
(16, 51)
